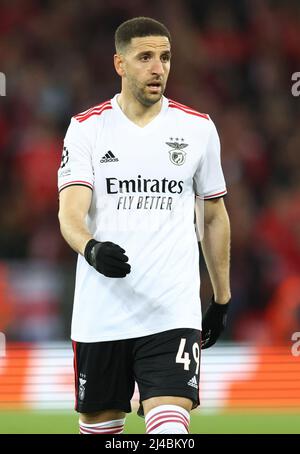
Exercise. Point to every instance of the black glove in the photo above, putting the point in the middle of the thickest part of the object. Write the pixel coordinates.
(107, 258)
(213, 323)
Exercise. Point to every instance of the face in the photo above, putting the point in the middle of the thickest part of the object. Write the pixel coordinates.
(144, 68)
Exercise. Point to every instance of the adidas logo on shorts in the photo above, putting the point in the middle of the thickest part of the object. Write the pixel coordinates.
(193, 382)
(109, 157)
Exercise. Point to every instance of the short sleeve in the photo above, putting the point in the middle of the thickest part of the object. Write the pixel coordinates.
(209, 180)
(76, 163)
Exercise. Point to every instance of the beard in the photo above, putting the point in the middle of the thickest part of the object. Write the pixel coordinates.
(143, 93)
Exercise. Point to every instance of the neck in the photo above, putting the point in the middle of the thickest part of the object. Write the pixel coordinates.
(136, 111)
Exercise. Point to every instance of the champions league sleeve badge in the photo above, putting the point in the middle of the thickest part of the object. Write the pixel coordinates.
(176, 154)
(64, 157)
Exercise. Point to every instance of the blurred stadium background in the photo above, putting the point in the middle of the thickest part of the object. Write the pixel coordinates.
(232, 59)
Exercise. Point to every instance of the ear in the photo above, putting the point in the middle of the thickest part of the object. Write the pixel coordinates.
(119, 64)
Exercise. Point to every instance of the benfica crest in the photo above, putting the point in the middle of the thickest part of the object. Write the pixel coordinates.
(81, 391)
(177, 155)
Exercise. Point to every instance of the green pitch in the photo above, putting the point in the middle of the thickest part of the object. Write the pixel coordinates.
(50, 422)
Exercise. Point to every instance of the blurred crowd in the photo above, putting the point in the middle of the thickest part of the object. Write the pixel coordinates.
(232, 59)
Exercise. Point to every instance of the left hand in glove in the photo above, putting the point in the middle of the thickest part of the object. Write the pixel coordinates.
(213, 323)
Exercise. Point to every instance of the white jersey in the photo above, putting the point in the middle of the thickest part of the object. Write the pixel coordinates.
(144, 183)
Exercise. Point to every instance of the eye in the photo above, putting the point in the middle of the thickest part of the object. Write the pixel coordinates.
(165, 58)
(145, 58)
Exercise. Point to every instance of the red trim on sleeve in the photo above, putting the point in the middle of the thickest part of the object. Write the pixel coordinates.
(76, 182)
(217, 194)
(211, 196)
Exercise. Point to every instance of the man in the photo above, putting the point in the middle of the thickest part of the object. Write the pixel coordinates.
(130, 171)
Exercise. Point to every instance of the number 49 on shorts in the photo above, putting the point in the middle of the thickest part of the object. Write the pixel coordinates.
(183, 357)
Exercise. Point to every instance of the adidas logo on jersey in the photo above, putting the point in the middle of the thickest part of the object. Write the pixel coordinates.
(109, 157)
(193, 382)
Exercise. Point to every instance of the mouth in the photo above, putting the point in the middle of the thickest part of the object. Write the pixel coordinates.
(154, 87)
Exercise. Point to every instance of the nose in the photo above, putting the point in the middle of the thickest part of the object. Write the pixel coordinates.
(157, 67)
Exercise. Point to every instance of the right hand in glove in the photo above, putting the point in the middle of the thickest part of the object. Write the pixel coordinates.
(107, 258)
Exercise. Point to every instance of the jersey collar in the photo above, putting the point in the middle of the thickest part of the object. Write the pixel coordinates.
(150, 125)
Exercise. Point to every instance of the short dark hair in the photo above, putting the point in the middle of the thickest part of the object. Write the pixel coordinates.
(138, 27)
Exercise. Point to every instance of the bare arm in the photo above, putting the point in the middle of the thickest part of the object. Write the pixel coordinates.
(74, 204)
(216, 246)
